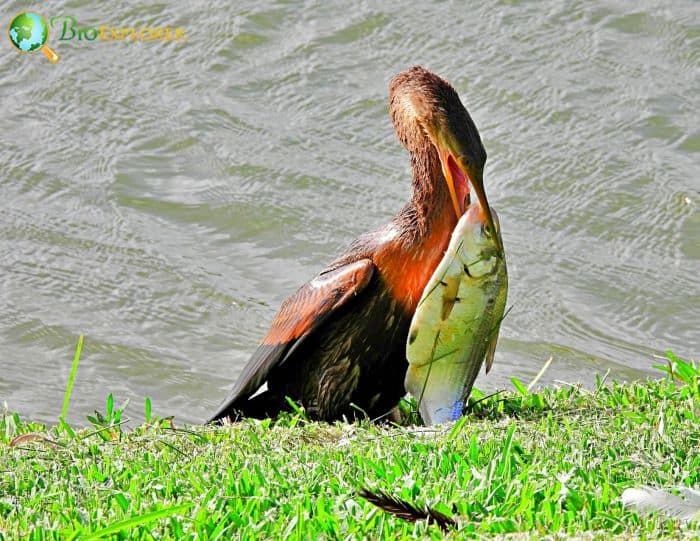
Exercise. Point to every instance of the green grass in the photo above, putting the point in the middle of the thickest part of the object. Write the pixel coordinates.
(533, 463)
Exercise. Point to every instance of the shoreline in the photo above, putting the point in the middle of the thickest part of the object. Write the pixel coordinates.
(529, 464)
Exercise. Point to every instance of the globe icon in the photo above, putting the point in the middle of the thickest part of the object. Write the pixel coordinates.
(29, 33)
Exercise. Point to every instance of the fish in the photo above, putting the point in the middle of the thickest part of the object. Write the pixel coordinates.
(457, 320)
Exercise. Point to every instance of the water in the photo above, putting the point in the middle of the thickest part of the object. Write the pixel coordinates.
(163, 199)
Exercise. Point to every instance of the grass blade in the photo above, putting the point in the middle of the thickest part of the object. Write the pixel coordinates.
(136, 521)
(519, 386)
(147, 410)
(71, 378)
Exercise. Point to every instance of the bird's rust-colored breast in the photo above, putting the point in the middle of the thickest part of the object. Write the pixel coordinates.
(406, 270)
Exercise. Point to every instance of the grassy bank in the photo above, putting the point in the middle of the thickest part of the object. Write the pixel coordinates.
(554, 461)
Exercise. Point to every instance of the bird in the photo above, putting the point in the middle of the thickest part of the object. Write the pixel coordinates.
(337, 346)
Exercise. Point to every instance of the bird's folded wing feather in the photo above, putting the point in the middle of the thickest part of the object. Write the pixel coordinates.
(298, 317)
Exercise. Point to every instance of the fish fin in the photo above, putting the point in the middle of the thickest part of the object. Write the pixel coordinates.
(493, 339)
(491, 350)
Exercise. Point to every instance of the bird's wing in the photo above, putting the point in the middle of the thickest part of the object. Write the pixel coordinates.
(298, 317)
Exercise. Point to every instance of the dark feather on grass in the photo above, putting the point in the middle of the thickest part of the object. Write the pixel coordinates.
(406, 510)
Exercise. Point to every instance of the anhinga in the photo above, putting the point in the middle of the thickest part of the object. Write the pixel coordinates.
(338, 345)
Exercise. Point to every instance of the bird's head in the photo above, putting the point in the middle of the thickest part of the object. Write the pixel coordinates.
(426, 111)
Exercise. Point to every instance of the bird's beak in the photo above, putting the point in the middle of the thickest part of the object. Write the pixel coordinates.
(461, 180)
(457, 181)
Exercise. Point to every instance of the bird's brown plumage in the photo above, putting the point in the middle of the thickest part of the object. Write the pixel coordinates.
(337, 345)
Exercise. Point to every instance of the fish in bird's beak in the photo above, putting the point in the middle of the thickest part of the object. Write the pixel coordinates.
(461, 181)
(455, 327)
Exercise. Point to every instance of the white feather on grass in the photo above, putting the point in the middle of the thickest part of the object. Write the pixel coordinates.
(684, 506)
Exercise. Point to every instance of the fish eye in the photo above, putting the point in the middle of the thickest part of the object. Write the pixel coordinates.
(486, 228)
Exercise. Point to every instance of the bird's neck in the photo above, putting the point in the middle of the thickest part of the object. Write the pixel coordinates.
(424, 229)
(430, 202)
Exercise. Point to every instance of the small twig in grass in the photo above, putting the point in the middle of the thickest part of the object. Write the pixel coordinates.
(38, 454)
(52, 457)
(380, 417)
(184, 430)
(33, 436)
(471, 405)
(405, 431)
(577, 386)
(199, 437)
(363, 412)
(174, 448)
(105, 428)
(540, 373)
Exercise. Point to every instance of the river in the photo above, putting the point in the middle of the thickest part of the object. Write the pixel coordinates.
(163, 198)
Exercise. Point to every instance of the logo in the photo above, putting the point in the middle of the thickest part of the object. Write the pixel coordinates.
(69, 30)
(29, 33)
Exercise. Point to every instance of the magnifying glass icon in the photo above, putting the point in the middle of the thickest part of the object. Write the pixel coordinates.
(28, 32)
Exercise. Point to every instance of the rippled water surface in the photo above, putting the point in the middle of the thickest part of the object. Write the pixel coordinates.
(163, 199)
